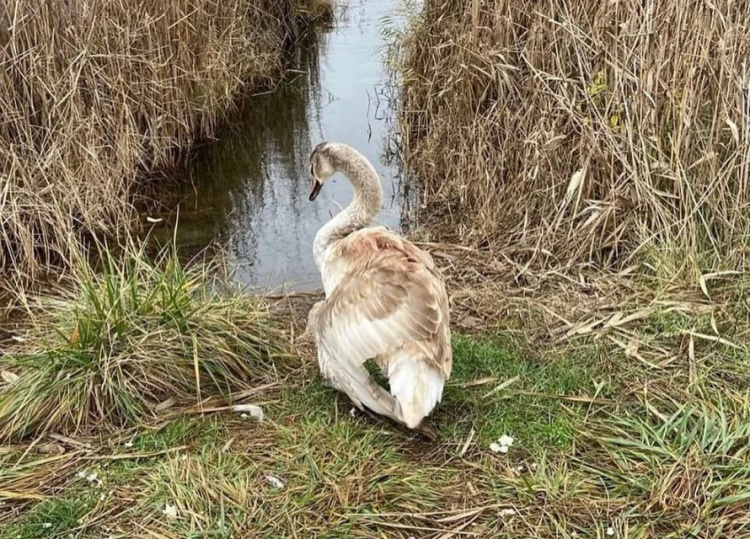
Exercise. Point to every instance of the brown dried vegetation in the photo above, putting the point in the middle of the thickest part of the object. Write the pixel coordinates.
(93, 94)
(585, 132)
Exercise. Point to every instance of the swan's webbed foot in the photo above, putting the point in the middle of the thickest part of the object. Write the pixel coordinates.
(427, 430)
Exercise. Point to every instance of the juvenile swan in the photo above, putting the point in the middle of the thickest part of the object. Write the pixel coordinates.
(385, 301)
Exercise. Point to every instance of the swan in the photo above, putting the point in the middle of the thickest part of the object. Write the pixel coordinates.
(384, 300)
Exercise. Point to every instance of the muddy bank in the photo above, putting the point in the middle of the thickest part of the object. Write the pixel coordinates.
(93, 95)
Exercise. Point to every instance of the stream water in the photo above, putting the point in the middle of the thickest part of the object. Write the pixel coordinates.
(249, 189)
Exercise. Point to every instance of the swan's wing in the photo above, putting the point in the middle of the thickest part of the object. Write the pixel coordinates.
(390, 295)
(354, 380)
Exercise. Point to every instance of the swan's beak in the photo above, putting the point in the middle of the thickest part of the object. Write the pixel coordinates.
(315, 186)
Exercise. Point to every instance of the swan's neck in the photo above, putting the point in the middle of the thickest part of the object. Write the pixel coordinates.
(364, 207)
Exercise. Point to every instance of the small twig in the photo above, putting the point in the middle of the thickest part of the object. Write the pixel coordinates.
(713, 338)
(417, 528)
(125, 456)
(571, 398)
(478, 382)
(69, 441)
(467, 443)
(502, 386)
(10, 495)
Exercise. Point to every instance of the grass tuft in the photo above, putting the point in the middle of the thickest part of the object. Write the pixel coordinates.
(683, 471)
(129, 338)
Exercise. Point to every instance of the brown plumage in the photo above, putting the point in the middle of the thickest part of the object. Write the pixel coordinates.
(385, 301)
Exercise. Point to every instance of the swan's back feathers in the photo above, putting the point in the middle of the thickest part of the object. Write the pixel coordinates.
(388, 294)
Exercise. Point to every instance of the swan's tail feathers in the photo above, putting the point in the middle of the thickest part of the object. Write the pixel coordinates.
(416, 385)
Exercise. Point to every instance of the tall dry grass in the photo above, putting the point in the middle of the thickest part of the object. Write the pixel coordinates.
(568, 131)
(92, 94)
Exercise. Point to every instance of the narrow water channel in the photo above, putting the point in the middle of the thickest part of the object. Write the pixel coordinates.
(249, 189)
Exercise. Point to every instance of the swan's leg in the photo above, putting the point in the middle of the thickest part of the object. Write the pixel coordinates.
(362, 390)
(378, 400)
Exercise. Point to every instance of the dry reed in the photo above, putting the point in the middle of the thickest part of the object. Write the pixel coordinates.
(571, 132)
(93, 94)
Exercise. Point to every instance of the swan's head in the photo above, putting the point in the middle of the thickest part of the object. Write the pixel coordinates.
(321, 167)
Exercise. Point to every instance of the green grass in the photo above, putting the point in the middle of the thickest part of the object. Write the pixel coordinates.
(180, 432)
(670, 469)
(692, 467)
(529, 409)
(127, 339)
(59, 517)
(341, 473)
(209, 490)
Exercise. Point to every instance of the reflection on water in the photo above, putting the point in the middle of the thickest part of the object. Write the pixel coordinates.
(251, 187)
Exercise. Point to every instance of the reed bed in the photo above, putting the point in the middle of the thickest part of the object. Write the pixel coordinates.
(95, 94)
(568, 132)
